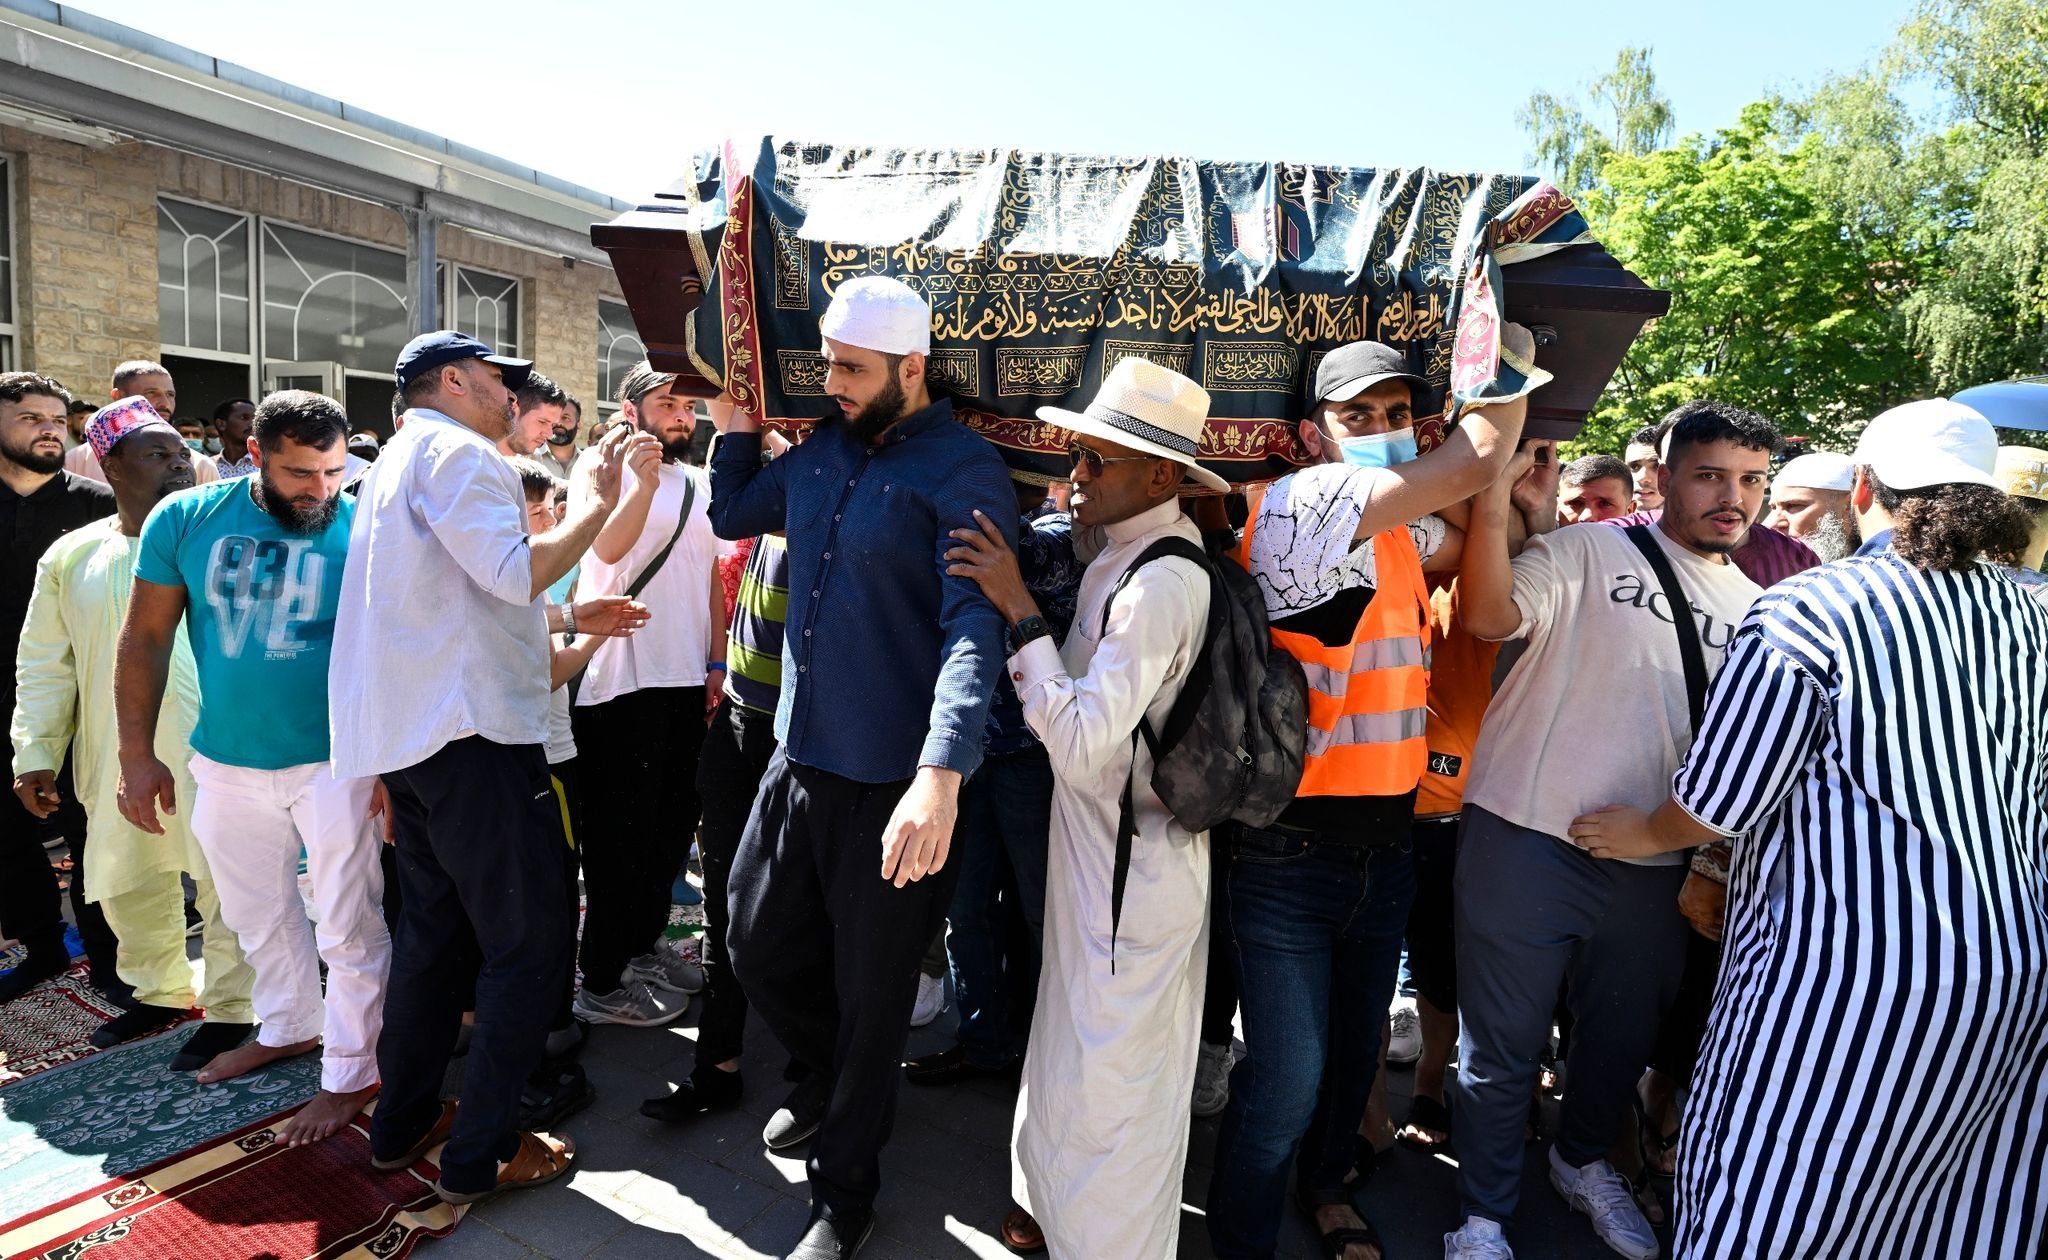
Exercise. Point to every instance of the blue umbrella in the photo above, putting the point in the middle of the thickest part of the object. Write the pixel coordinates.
(2020, 404)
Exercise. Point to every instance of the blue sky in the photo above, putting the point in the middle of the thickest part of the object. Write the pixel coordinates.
(615, 93)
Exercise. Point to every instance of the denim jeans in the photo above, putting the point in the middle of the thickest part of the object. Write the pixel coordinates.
(1317, 929)
(1005, 816)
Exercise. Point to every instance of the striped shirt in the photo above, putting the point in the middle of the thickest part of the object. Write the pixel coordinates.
(753, 654)
(1874, 1081)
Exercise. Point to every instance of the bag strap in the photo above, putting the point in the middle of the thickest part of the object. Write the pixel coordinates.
(1690, 654)
(1127, 819)
(639, 584)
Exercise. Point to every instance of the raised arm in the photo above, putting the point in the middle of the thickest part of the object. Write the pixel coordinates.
(1486, 579)
(623, 527)
(558, 551)
(142, 669)
(746, 498)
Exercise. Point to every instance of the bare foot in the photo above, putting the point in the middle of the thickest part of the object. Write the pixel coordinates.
(1335, 1216)
(249, 1056)
(326, 1115)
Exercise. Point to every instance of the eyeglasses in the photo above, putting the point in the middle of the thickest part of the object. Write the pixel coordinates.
(1078, 454)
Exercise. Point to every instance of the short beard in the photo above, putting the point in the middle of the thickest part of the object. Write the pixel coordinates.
(295, 519)
(27, 458)
(1833, 538)
(886, 409)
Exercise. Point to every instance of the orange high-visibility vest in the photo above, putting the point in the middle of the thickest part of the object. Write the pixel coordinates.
(1368, 700)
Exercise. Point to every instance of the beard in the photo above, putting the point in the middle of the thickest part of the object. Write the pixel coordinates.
(674, 451)
(27, 456)
(885, 410)
(1833, 538)
(296, 517)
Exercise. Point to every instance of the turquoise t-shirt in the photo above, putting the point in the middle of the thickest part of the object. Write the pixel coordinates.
(260, 604)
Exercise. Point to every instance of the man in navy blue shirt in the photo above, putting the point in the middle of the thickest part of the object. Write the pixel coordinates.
(841, 878)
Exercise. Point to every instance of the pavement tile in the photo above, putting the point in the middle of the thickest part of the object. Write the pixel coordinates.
(565, 1222)
(702, 1199)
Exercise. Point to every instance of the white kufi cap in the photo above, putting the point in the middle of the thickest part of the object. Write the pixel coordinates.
(1821, 470)
(879, 313)
(1934, 442)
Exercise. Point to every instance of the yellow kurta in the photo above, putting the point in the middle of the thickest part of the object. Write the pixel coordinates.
(64, 692)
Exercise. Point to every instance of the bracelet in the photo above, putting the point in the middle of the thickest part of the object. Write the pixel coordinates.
(569, 620)
(714, 665)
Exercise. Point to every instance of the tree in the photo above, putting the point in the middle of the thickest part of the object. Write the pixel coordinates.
(1775, 305)
(1575, 149)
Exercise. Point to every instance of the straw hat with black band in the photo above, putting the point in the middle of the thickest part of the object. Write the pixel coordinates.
(1149, 409)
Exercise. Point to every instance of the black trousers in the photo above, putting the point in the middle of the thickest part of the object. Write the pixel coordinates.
(1684, 1024)
(828, 951)
(31, 909)
(736, 752)
(638, 758)
(479, 855)
(568, 779)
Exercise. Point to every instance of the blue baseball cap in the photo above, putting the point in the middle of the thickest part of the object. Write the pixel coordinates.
(428, 351)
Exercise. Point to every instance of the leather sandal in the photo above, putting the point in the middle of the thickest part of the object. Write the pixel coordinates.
(436, 1134)
(541, 1158)
(1021, 1234)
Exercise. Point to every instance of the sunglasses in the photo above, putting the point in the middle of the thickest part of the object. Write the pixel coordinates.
(1078, 455)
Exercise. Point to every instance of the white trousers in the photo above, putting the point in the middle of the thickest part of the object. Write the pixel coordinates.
(251, 825)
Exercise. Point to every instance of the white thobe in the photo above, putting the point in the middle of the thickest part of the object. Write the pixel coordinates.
(1102, 1119)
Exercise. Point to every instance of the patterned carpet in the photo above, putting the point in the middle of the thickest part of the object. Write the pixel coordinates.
(49, 1025)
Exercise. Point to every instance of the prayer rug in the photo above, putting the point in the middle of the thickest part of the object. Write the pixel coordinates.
(50, 1025)
(245, 1194)
(115, 1113)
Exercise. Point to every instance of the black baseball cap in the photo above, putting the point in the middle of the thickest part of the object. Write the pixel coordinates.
(428, 351)
(1357, 366)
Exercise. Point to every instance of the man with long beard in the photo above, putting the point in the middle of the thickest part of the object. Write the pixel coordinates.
(640, 709)
(252, 566)
(888, 665)
(1810, 502)
(64, 670)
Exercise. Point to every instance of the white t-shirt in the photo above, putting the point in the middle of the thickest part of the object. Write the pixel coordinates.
(561, 737)
(672, 649)
(1303, 554)
(1595, 712)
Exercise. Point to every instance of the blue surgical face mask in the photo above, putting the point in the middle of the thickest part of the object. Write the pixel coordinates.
(198, 447)
(1379, 450)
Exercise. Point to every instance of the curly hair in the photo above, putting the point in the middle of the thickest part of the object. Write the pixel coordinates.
(1948, 528)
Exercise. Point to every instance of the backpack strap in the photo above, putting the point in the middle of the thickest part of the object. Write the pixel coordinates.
(1127, 819)
(1690, 654)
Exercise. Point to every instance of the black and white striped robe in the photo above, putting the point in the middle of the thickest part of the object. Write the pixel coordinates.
(1874, 1080)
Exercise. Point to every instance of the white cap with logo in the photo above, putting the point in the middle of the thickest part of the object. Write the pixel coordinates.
(1933, 442)
(879, 313)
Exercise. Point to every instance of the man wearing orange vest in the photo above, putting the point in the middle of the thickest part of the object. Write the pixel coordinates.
(1317, 902)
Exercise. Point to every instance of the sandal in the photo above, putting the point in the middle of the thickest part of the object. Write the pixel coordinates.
(1020, 1233)
(541, 1158)
(1426, 1115)
(436, 1134)
(1653, 1145)
(1365, 1161)
(1335, 1241)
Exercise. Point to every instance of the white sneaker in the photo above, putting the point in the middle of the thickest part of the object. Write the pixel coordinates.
(1478, 1239)
(666, 969)
(1212, 1079)
(1404, 1036)
(931, 1000)
(1599, 1192)
(636, 1004)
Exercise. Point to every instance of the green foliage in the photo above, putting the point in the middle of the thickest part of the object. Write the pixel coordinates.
(1833, 254)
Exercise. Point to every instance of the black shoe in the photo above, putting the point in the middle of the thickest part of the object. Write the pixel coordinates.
(553, 1093)
(797, 1118)
(829, 1239)
(36, 967)
(114, 989)
(210, 1040)
(951, 1067)
(707, 1090)
(139, 1020)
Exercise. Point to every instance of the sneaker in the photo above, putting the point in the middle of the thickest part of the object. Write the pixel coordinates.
(1599, 1192)
(1479, 1239)
(666, 969)
(1404, 1035)
(1212, 1079)
(637, 1004)
(931, 1000)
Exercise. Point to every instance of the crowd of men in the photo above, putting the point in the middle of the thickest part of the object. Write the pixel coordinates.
(1707, 783)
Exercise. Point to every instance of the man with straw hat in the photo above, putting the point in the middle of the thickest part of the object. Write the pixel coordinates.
(1102, 1131)
(2023, 474)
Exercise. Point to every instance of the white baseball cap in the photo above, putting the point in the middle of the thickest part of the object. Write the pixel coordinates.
(1933, 442)
(879, 313)
(1818, 470)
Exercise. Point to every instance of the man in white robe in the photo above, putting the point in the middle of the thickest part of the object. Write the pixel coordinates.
(1101, 1132)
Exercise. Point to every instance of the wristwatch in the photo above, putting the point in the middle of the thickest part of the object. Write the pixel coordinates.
(1032, 627)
